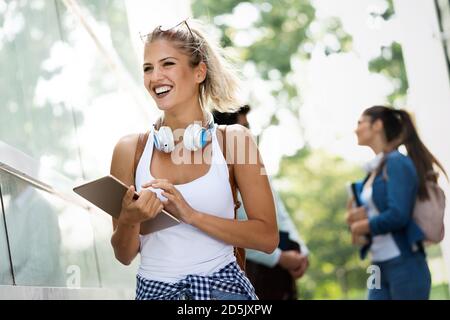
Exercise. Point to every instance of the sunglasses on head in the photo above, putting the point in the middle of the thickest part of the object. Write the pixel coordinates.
(161, 28)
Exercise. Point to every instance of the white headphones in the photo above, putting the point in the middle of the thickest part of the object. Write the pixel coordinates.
(195, 136)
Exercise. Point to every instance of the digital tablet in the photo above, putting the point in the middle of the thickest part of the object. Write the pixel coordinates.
(353, 193)
(107, 193)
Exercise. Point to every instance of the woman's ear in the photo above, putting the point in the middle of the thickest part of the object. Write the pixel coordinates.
(377, 125)
(201, 70)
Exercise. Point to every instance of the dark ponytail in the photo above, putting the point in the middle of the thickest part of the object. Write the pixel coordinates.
(399, 129)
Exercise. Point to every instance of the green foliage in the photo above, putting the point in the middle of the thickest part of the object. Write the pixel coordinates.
(313, 189)
(284, 28)
(389, 11)
(440, 292)
(390, 63)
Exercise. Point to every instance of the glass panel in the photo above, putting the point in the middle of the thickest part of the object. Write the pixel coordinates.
(34, 117)
(112, 17)
(51, 241)
(62, 71)
(113, 274)
(109, 101)
(5, 265)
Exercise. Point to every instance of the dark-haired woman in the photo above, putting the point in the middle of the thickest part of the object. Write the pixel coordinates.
(388, 195)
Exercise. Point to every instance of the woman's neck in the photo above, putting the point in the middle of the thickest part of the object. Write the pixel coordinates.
(378, 146)
(181, 118)
(377, 150)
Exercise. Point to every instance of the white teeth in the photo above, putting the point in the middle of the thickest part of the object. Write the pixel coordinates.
(162, 89)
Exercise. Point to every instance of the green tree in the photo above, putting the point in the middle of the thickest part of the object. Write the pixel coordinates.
(390, 63)
(314, 182)
(284, 32)
(312, 185)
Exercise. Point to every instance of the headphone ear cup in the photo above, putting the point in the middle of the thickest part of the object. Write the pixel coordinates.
(203, 137)
(163, 139)
(188, 138)
(192, 137)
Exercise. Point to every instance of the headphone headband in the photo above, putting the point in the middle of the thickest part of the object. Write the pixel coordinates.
(194, 138)
(208, 116)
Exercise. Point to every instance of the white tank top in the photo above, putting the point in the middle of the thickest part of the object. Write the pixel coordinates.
(171, 254)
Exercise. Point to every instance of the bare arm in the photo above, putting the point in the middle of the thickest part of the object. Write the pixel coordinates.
(260, 231)
(125, 237)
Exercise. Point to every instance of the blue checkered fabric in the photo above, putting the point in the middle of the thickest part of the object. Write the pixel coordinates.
(229, 279)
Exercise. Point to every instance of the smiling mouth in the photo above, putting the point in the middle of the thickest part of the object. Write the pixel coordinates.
(162, 91)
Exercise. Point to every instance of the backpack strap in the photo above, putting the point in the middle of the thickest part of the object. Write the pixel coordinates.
(140, 146)
(226, 155)
(238, 252)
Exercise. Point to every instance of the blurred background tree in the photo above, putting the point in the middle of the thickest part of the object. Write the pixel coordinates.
(390, 61)
(312, 182)
(319, 208)
(311, 185)
(275, 32)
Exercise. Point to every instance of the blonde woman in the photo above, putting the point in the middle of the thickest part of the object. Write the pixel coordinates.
(187, 75)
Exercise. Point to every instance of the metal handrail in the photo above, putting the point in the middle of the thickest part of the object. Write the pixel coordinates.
(12, 160)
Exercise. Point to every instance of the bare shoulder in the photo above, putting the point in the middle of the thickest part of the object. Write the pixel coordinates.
(125, 147)
(238, 130)
(123, 158)
(126, 143)
(234, 132)
(241, 146)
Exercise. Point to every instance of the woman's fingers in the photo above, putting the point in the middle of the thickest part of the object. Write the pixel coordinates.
(145, 201)
(129, 195)
(146, 196)
(151, 182)
(348, 218)
(159, 207)
(154, 205)
(166, 186)
(148, 184)
(350, 203)
(169, 196)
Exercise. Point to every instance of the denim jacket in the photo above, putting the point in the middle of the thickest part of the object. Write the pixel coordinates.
(394, 195)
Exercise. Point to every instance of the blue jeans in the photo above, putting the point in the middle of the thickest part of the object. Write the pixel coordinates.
(216, 294)
(223, 295)
(403, 278)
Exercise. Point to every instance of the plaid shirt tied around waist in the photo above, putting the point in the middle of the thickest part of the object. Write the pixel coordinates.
(229, 279)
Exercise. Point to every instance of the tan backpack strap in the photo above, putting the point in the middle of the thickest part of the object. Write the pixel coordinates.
(140, 146)
(238, 252)
(225, 152)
